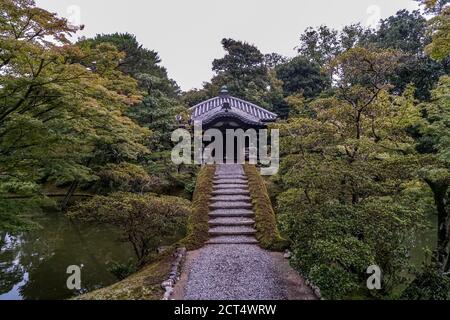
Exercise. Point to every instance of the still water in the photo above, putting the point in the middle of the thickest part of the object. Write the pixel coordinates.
(33, 264)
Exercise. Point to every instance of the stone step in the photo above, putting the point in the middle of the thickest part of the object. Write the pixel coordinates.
(231, 231)
(243, 213)
(223, 192)
(231, 186)
(230, 176)
(233, 221)
(230, 181)
(232, 240)
(231, 197)
(230, 205)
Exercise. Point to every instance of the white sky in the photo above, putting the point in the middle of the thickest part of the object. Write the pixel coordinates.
(187, 33)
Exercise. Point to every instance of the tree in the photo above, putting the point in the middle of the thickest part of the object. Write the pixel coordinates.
(195, 96)
(439, 48)
(145, 220)
(62, 106)
(404, 31)
(319, 46)
(407, 32)
(349, 174)
(301, 76)
(32, 78)
(140, 63)
(241, 61)
(126, 177)
(244, 71)
(157, 110)
(159, 106)
(435, 128)
(272, 60)
(362, 74)
(433, 6)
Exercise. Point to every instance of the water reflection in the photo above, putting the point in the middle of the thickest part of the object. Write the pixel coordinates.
(33, 264)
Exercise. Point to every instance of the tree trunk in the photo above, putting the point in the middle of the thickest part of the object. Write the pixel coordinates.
(70, 193)
(72, 189)
(443, 232)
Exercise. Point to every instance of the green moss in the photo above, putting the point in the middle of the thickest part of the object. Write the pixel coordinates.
(198, 220)
(266, 223)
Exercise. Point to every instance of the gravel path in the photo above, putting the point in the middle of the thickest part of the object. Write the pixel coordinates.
(228, 272)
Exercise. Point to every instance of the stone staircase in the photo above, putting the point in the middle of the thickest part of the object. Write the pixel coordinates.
(231, 214)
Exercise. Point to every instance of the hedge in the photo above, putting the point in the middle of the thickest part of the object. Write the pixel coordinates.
(198, 226)
(266, 223)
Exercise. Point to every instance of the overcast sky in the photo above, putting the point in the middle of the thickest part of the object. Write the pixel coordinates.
(187, 33)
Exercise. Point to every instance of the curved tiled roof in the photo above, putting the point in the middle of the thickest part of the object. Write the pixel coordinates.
(250, 111)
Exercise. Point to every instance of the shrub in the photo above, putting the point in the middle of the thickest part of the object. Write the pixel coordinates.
(122, 270)
(198, 220)
(331, 236)
(429, 284)
(334, 282)
(145, 220)
(265, 219)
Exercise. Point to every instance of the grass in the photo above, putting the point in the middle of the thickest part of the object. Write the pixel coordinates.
(198, 221)
(142, 285)
(266, 223)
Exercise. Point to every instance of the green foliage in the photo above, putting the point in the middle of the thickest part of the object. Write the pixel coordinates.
(435, 130)
(436, 126)
(429, 284)
(156, 111)
(243, 63)
(246, 73)
(319, 45)
(348, 171)
(404, 31)
(127, 177)
(433, 6)
(192, 97)
(159, 105)
(146, 220)
(408, 32)
(122, 270)
(439, 48)
(62, 112)
(301, 76)
(334, 282)
(140, 63)
(265, 220)
(198, 226)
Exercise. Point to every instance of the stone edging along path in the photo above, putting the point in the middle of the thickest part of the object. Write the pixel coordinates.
(174, 275)
(231, 265)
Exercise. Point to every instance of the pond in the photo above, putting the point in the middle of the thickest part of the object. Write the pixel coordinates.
(33, 265)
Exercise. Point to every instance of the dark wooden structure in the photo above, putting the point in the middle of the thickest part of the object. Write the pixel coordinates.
(228, 112)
